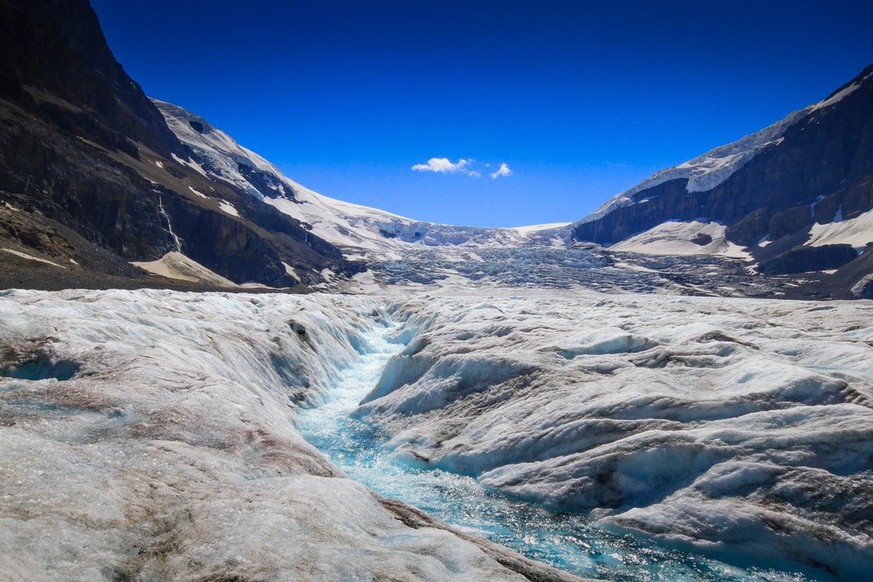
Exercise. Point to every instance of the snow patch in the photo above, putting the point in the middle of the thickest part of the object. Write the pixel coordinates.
(678, 238)
(198, 193)
(537, 228)
(228, 208)
(365, 283)
(191, 164)
(29, 257)
(857, 231)
(175, 265)
(289, 270)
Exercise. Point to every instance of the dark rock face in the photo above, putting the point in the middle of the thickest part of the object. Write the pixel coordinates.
(80, 144)
(80, 186)
(57, 64)
(805, 259)
(702, 239)
(630, 220)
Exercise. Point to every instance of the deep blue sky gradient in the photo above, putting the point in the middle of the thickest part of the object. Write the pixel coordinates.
(580, 99)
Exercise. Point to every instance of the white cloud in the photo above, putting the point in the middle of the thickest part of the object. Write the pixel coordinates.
(502, 171)
(443, 165)
(462, 166)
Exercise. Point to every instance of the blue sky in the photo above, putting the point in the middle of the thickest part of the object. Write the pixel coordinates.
(579, 99)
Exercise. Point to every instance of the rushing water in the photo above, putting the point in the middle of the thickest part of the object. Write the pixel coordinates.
(566, 541)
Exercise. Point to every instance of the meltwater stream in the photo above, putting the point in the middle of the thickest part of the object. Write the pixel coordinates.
(566, 541)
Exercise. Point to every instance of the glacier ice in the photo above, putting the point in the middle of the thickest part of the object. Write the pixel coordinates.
(741, 428)
(738, 428)
(171, 451)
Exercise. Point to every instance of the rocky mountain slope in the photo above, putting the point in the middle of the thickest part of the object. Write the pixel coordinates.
(91, 177)
(101, 187)
(796, 196)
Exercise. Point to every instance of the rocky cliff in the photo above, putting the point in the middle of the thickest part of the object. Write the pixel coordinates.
(86, 158)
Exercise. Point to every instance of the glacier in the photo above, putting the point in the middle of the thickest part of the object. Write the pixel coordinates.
(167, 447)
(738, 428)
(154, 432)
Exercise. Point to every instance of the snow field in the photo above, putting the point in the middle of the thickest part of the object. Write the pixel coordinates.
(172, 451)
(857, 232)
(676, 238)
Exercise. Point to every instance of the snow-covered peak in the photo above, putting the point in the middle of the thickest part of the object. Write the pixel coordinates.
(218, 154)
(350, 226)
(711, 169)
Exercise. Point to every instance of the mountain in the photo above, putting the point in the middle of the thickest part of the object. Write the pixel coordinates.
(796, 196)
(92, 179)
(355, 228)
(788, 200)
(101, 186)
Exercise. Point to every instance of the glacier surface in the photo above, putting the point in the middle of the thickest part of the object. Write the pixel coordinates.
(741, 428)
(150, 433)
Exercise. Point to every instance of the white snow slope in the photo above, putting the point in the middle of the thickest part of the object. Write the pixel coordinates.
(677, 238)
(857, 232)
(351, 227)
(742, 428)
(155, 440)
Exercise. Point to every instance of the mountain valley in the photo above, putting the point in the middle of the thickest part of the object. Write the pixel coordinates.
(211, 372)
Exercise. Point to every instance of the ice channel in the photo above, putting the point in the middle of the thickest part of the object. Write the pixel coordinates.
(566, 541)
